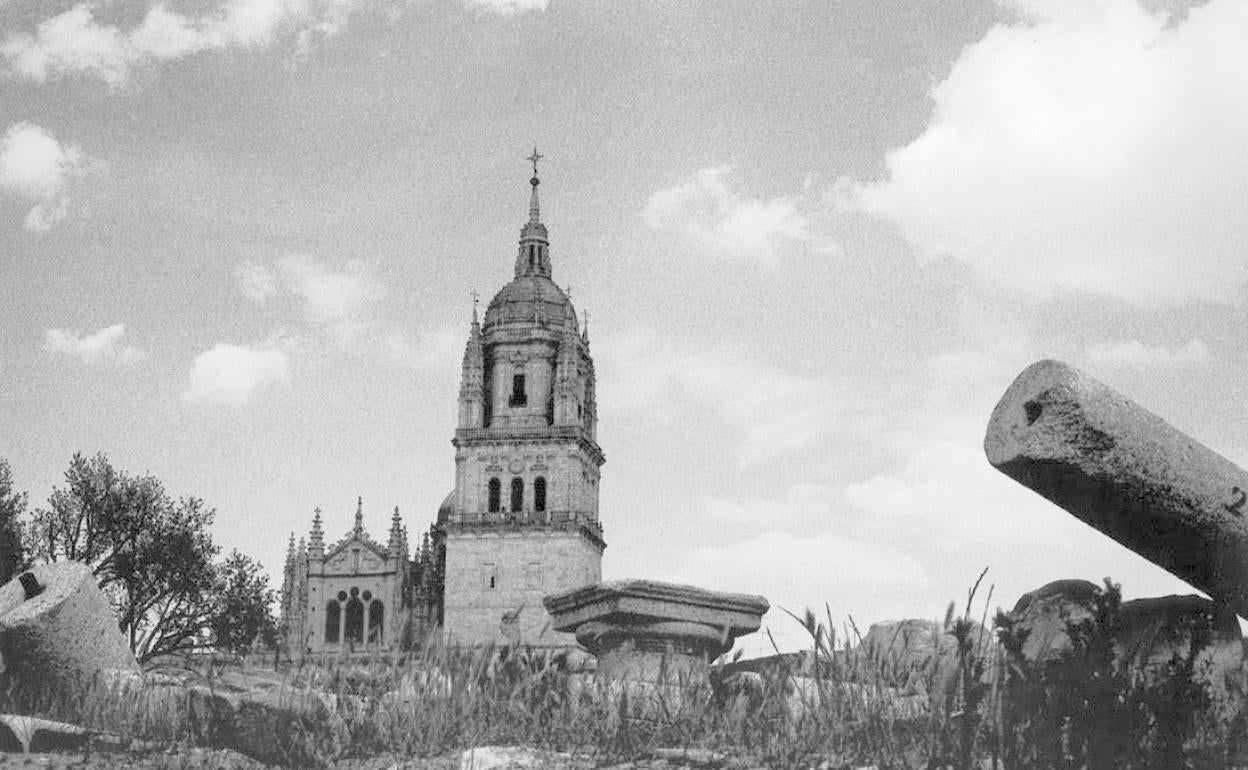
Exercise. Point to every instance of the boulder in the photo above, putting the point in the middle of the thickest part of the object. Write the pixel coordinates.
(916, 656)
(283, 725)
(1046, 613)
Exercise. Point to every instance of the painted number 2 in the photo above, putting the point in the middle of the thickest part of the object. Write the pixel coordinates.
(1240, 498)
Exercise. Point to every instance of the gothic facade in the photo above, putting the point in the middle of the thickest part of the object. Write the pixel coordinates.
(522, 520)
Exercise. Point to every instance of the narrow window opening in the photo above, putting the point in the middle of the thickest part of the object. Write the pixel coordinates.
(532, 253)
(539, 493)
(331, 622)
(376, 622)
(496, 494)
(518, 396)
(517, 495)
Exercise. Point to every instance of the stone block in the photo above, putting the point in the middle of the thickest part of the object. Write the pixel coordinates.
(1125, 471)
(58, 634)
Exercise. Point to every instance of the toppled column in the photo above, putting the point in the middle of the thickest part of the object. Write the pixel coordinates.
(58, 633)
(1128, 473)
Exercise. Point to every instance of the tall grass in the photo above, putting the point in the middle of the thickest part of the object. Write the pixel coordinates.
(973, 703)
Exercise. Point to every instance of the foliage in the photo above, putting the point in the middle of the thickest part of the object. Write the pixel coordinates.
(151, 554)
(1088, 707)
(245, 606)
(12, 508)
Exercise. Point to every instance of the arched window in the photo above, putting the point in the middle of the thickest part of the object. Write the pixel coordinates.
(517, 495)
(532, 252)
(354, 631)
(539, 493)
(518, 395)
(376, 622)
(332, 612)
(496, 495)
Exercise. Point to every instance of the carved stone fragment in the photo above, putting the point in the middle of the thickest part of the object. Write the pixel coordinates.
(1128, 473)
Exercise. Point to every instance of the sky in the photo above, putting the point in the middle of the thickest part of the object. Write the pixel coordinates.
(816, 241)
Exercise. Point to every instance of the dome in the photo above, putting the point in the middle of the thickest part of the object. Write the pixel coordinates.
(530, 297)
(447, 508)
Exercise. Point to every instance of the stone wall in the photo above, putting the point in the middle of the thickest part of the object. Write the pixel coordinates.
(527, 564)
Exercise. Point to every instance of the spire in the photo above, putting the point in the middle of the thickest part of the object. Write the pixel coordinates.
(534, 256)
(395, 546)
(316, 542)
(535, 209)
(359, 515)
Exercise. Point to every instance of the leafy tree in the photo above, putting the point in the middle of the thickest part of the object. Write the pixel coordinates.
(12, 507)
(153, 555)
(245, 609)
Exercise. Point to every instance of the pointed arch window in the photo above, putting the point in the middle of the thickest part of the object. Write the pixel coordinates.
(496, 495)
(539, 494)
(354, 627)
(517, 495)
(332, 612)
(376, 622)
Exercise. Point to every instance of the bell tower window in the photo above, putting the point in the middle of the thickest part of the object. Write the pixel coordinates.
(496, 495)
(539, 493)
(518, 396)
(517, 495)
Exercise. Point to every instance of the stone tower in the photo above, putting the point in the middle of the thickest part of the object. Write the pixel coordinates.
(522, 521)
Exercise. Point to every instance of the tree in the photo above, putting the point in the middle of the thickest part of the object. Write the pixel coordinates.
(245, 609)
(152, 555)
(12, 508)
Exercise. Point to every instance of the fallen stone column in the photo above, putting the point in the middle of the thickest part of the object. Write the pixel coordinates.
(1128, 473)
(58, 634)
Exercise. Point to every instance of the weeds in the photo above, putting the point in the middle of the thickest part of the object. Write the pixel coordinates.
(921, 695)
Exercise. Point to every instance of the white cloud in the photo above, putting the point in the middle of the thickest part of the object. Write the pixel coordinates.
(231, 374)
(775, 411)
(1134, 353)
(76, 41)
(102, 345)
(728, 224)
(507, 7)
(332, 300)
(36, 167)
(1089, 145)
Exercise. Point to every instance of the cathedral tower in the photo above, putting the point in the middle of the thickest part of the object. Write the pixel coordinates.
(522, 521)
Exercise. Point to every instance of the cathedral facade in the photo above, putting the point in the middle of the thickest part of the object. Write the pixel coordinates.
(522, 520)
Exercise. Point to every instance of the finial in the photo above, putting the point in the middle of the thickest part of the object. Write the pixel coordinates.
(585, 325)
(534, 158)
(359, 514)
(476, 298)
(535, 214)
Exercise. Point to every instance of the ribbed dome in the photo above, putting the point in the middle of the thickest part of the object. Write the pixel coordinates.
(527, 298)
(447, 508)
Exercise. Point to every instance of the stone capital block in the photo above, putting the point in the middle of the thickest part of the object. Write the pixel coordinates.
(642, 629)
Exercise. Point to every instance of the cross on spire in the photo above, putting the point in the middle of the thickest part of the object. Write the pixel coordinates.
(534, 158)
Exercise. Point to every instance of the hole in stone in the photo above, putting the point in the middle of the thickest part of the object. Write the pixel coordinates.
(30, 584)
(1033, 410)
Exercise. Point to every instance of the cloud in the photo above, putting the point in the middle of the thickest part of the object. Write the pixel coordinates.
(231, 374)
(506, 7)
(36, 167)
(332, 300)
(775, 411)
(1134, 353)
(1088, 145)
(439, 350)
(801, 502)
(103, 345)
(728, 224)
(76, 41)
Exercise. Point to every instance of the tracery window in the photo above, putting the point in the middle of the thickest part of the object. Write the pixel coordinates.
(354, 627)
(517, 495)
(518, 396)
(376, 622)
